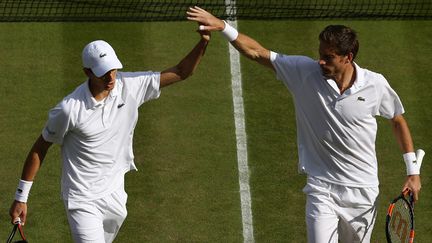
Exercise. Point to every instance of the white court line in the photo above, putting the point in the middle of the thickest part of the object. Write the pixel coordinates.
(242, 155)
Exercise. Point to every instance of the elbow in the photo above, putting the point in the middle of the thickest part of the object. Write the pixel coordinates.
(184, 73)
(251, 55)
(254, 55)
(398, 121)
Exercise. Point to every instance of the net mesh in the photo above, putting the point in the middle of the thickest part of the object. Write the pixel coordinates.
(174, 10)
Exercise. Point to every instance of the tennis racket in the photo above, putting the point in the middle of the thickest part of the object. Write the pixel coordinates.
(400, 220)
(17, 226)
(400, 215)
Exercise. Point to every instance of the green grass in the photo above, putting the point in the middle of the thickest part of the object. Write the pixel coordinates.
(186, 189)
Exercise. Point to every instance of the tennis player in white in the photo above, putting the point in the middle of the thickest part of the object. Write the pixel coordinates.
(336, 102)
(94, 126)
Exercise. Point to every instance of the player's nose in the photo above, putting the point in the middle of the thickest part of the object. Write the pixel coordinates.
(110, 76)
(321, 62)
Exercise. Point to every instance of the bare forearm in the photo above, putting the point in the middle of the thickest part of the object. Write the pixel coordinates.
(402, 133)
(31, 166)
(186, 66)
(252, 50)
(34, 159)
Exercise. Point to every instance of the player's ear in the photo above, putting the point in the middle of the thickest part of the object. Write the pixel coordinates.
(350, 57)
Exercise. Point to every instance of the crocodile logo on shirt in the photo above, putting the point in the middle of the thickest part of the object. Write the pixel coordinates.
(361, 98)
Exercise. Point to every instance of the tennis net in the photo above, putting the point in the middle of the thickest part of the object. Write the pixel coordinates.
(174, 10)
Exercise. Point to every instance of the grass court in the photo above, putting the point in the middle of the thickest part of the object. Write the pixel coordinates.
(187, 186)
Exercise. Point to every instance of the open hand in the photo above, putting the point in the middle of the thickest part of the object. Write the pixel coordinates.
(207, 21)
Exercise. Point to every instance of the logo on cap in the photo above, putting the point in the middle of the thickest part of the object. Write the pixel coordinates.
(102, 55)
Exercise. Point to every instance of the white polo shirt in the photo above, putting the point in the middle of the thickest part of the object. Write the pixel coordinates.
(96, 137)
(336, 133)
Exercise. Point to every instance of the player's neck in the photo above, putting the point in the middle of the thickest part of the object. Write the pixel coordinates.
(98, 92)
(346, 78)
(101, 95)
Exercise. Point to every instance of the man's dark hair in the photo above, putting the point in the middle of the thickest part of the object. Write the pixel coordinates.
(342, 38)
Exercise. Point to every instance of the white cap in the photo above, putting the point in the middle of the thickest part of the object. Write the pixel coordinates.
(100, 57)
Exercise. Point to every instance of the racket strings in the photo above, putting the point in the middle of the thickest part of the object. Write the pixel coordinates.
(400, 226)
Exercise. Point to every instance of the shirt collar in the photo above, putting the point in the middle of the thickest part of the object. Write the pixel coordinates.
(91, 102)
(359, 82)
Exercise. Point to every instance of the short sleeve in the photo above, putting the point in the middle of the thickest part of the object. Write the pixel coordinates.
(144, 86)
(58, 124)
(390, 105)
(293, 70)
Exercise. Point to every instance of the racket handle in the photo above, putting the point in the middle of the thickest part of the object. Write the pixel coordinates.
(17, 220)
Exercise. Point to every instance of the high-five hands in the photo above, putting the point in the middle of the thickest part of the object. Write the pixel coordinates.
(206, 20)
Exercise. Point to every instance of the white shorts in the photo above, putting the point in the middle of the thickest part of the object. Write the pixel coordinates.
(97, 221)
(336, 212)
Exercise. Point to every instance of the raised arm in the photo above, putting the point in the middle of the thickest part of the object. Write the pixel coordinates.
(243, 43)
(188, 64)
(403, 136)
(31, 167)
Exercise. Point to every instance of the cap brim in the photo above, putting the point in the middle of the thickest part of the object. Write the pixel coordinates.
(105, 67)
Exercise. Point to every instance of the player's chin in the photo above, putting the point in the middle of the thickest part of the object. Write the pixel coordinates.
(328, 76)
(326, 73)
(109, 86)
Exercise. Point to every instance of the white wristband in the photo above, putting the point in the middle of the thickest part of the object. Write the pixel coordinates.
(412, 167)
(23, 190)
(229, 32)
